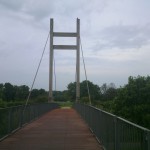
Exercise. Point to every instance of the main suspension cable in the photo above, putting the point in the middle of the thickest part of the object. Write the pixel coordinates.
(87, 84)
(36, 72)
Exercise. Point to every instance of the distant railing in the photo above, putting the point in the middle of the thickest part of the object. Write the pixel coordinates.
(13, 118)
(113, 132)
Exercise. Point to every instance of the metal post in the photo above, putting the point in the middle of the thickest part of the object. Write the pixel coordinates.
(10, 111)
(78, 62)
(148, 139)
(51, 63)
(116, 133)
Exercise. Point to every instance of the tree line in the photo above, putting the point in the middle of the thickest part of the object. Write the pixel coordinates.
(131, 101)
(11, 95)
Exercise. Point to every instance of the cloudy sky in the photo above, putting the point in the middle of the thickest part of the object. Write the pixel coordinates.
(115, 37)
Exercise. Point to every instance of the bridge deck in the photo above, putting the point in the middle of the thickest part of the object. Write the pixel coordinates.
(60, 129)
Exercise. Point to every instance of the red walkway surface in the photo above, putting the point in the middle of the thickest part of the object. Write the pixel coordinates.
(60, 129)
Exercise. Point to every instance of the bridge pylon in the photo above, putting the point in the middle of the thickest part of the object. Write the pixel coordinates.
(64, 47)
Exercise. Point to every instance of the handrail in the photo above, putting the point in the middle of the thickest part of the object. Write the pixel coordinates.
(129, 122)
(13, 118)
(114, 133)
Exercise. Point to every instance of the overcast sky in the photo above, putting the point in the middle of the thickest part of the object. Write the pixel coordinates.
(115, 37)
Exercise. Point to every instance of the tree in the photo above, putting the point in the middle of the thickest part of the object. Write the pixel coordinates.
(93, 88)
(35, 93)
(21, 92)
(133, 100)
(8, 92)
(72, 90)
(60, 96)
(1, 91)
(103, 88)
(108, 92)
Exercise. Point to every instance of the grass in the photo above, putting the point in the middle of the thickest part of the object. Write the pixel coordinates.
(67, 104)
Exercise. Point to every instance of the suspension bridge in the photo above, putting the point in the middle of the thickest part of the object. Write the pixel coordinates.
(47, 126)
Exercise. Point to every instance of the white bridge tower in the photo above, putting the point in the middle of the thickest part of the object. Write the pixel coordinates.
(67, 47)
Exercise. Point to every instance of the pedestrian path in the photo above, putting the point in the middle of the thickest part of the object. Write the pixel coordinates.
(60, 129)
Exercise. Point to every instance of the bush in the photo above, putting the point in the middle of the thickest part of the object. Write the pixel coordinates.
(39, 99)
(85, 100)
(3, 104)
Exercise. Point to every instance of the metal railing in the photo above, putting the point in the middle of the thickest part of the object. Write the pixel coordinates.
(113, 132)
(13, 118)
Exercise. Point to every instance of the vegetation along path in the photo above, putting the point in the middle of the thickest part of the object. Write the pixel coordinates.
(60, 129)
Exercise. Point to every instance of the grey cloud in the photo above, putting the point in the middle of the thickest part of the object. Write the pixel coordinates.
(79, 7)
(123, 37)
(36, 9)
(39, 9)
(12, 4)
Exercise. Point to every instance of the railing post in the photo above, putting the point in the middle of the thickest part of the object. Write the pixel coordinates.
(146, 140)
(21, 117)
(9, 120)
(116, 138)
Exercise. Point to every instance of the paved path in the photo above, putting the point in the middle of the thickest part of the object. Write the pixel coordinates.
(60, 129)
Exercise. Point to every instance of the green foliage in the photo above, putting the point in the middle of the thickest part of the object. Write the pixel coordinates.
(72, 91)
(39, 99)
(8, 92)
(85, 100)
(94, 90)
(3, 104)
(108, 92)
(65, 104)
(1, 91)
(61, 96)
(12, 95)
(133, 101)
(21, 92)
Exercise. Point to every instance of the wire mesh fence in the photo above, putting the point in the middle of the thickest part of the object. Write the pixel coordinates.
(13, 118)
(113, 132)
